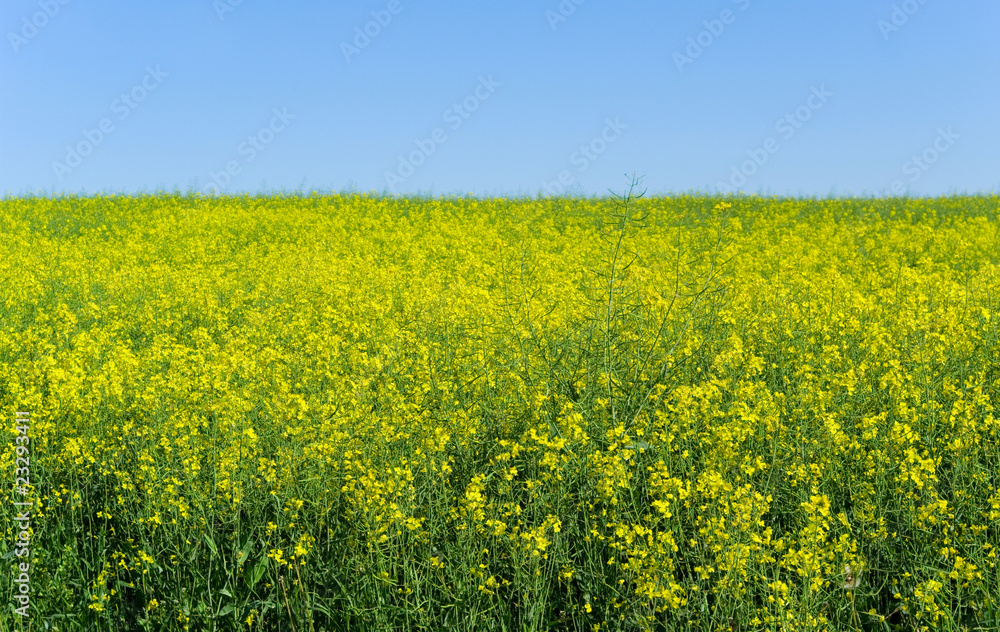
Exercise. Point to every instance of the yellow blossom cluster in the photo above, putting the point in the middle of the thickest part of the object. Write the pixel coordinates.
(368, 412)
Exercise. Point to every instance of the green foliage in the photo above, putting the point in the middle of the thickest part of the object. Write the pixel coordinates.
(356, 412)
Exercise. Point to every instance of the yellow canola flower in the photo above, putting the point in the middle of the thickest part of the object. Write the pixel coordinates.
(653, 409)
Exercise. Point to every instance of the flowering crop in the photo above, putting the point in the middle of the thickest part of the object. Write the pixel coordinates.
(377, 413)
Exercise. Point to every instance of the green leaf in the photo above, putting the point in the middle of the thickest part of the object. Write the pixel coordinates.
(258, 571)
(211, 545)
(245, 552)
(321, 609)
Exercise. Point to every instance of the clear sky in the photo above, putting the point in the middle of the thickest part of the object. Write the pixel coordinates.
(803, 97)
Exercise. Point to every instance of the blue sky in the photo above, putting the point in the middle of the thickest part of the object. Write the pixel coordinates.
(514, 97)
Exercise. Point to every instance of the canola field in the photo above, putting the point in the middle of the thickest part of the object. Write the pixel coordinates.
(362, 412)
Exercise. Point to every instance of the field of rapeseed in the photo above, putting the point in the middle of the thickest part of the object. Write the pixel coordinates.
(354, 412)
